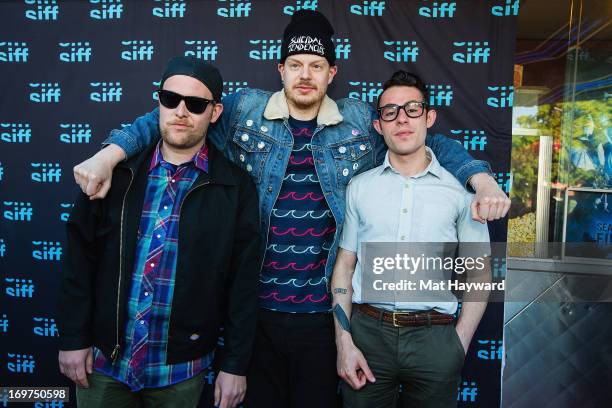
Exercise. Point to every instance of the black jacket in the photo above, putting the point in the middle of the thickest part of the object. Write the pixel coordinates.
(217, 271)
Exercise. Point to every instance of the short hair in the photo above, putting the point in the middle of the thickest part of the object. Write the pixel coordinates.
(405, 78)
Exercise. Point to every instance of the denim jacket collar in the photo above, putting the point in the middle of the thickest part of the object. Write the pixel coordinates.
(277, 108)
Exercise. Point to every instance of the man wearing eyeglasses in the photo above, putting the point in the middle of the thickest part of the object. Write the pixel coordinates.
(411, 339)
(155, 268)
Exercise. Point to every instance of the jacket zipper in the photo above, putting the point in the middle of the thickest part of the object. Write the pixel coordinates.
(115, 352)
(178, 233)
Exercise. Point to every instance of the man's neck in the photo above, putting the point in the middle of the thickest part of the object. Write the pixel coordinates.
(410, 164)
(304, 114)
(178, 156)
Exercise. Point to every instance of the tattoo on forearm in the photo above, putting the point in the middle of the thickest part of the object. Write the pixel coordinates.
(343, 320)
(342, 291)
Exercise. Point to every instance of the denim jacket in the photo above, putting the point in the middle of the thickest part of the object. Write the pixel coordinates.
(254, 132)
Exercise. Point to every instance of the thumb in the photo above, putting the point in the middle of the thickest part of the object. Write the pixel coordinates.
(89, 362)
(217, 393)
(474, 208)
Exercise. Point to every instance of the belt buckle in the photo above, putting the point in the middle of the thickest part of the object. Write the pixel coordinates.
(395, 319)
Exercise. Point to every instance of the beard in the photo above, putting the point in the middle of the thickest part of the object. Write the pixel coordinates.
(304, 101)
(181, 140)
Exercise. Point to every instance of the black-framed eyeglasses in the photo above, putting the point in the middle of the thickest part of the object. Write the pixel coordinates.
(194, 104)
(413, 109)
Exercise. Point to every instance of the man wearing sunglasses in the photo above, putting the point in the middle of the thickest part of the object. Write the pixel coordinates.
(404, 337)
(167, 257)
(301, 148)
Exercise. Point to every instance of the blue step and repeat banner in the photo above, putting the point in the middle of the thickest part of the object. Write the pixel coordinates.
(70, 71)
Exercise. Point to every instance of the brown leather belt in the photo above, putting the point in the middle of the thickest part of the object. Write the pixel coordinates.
(404, 319)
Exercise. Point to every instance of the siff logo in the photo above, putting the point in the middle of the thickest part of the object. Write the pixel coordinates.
(17, 132)
(498, 266)
(439, 10)
(171, 9)
(235, 9)
(440, 95)
(467, 392)
(14, 51)
(343, 48)
(44, 10)
(403, 51)
(300, 5)
(494, 350)
(46, 172)
(19, 287)
(49, 404)
(368, 8)
(231, 87)
(511, 8)
(49, 92)
(51, 251)
(47, 329)
(106, 92)
(65, 214)
(1, 171)
(155, 97)
(504, 96)
(4, 324)
(368, 93)
(107, 10)
(202, 49)
(2, 248)
(504, 181)
(472, 139)
(17, 211)
(75, 133)
(138, 50)
(20, 363)
(473, 52)
(269, 50)
(75, 52)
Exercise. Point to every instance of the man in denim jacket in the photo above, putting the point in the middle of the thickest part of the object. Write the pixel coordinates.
(301, 149)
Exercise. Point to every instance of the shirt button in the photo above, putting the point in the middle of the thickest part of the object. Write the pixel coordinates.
(264, 129)
(152, 265)
(345, 172)
(407, 185)
(249, 122)
(342, 149)
(158, 235)
(165, 207)
(355, 166)
(270, 189)
(173, 180)
(146, 293)
(362, 147)
(142, 322)
(244, 137)
(403, 237)
(249, 167)
(261, 145)
(405, 210)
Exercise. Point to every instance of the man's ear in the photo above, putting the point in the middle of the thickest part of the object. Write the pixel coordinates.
(217, 110)
(333, 70)
(431, 117)
(376, 124)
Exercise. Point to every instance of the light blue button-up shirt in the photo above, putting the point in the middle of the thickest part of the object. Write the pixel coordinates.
(382, 205)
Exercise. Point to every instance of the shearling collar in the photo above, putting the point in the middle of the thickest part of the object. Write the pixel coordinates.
(277, 108)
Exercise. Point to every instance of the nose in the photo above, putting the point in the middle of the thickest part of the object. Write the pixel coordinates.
(181, 110)
(304, 72)
(402, 116)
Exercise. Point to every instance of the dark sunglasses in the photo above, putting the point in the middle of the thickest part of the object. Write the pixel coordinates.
(413, 109)
(194, 104)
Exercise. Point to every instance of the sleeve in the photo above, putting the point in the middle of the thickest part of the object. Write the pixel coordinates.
(242, 302)
(454, 158)
(474, 234)
(78, 275)
(350, 228)
(134, 138)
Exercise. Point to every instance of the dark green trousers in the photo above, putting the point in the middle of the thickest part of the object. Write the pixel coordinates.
(105, 391)
(425, 360)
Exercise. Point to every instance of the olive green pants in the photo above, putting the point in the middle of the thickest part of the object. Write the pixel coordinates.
(425, 360)
(105, 391)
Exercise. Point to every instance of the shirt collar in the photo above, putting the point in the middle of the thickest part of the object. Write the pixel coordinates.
(433, 167)
(199, 160)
